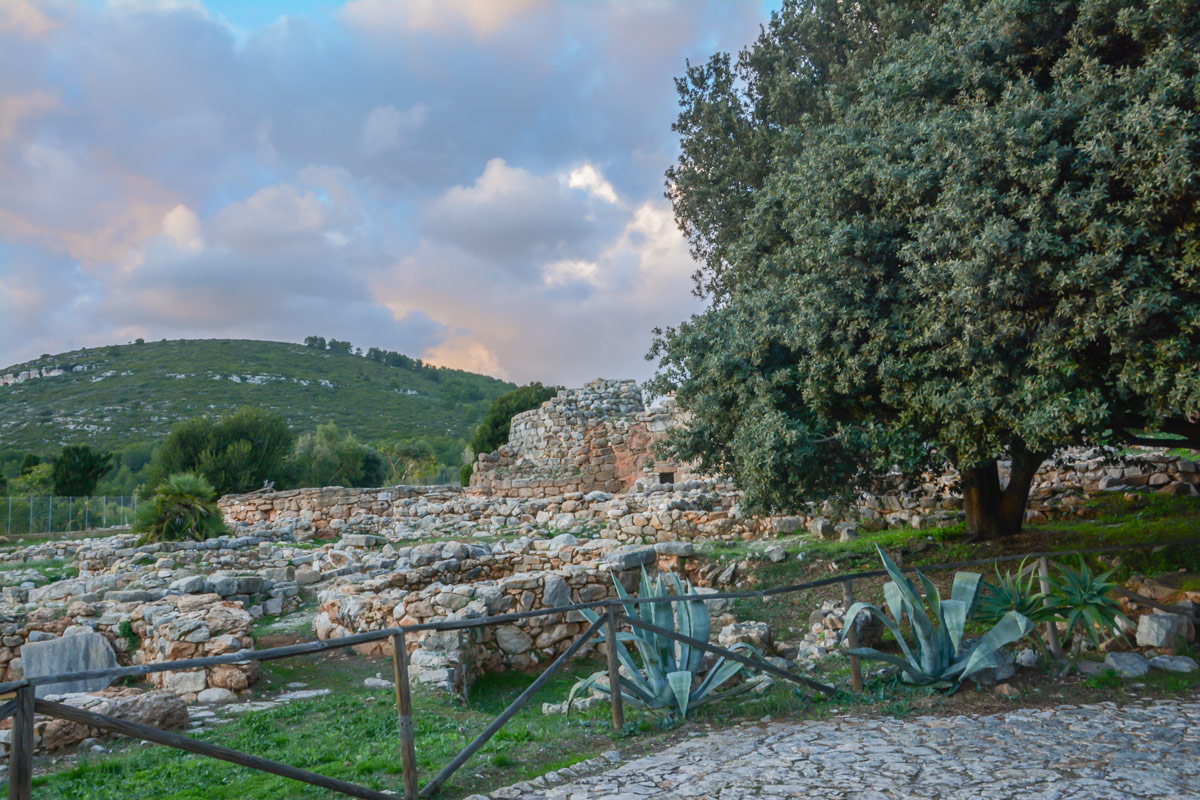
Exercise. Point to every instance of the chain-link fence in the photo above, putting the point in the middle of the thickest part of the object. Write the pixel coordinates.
(41, 515)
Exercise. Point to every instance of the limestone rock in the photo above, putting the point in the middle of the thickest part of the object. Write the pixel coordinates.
(1127, 665)
(1174, 663)
(80, 653)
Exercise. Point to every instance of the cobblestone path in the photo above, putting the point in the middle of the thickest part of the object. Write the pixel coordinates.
(1093, 752)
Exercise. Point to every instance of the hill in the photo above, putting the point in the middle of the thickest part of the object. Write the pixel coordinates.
(124, 395)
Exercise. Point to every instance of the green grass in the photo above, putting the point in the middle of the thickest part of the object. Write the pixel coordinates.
(140, 400)
(55, 569)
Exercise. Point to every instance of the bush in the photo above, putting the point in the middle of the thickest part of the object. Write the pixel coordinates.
(237, 452)
(332, 457)
(183, 507)
(464, 474)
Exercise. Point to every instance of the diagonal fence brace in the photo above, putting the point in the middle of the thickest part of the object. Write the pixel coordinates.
(722, 651)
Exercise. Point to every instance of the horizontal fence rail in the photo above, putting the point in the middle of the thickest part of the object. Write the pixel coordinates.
(19, 702)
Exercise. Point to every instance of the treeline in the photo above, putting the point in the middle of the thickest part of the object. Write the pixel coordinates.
(251, 447)
(458, 385)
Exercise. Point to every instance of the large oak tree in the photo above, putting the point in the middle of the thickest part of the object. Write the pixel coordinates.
(929, 232)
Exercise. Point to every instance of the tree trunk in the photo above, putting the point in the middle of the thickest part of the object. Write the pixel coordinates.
(995, 512)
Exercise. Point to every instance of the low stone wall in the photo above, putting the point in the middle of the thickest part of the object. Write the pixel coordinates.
(443, 658)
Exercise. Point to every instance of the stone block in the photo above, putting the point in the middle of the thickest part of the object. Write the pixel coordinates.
(81, 653)
(631, 557)
(189, 682)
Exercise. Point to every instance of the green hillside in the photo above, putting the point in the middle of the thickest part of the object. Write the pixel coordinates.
(123, 395)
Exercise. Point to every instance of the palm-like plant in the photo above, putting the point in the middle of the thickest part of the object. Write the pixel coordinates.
(669, 673)
(183, 507)
(1086, 600)
(935, 658)
(1020, 592)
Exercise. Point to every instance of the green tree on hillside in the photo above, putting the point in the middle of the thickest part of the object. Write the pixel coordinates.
(236, 452)
(930, 232)
(333, 457)
(78, 468)
(493, 431)
(408, 459)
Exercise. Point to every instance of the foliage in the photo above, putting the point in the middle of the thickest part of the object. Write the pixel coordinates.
(236, 452)
(938, 630)
(464, 474)
(1087, 601)
(142, 391)
(956, 231)
(183, 507)
(408, 460)
(1020, 592)
(37, 480)
(669, 675)
(78, 468)
(333, 457)
(493, 431)
(29, 461)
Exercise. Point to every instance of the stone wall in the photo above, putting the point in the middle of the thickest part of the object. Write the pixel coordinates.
(558, 573)
(598, 437)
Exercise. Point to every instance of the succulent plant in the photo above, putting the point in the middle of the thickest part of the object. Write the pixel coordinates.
(1086, 601)
(936, 657)
(671, 674)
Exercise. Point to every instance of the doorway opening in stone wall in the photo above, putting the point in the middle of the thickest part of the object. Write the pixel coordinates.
(666, 477)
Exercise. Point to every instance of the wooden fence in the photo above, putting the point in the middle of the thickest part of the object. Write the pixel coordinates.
(18, 701)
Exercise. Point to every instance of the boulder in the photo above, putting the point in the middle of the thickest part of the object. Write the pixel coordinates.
(189, 682)
(1127, 665)
(775, 554)
(675, 548)
(555, 592)
(1165, 630)
(158, 709)
(1174, 663)
(822, 527)
(80, 653)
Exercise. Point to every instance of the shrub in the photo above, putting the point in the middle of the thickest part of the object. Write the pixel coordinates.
(669, 675)
(493, 431)
(938, 631)
(183, 507)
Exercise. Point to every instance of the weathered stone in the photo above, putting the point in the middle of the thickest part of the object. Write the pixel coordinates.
(757, 634)
(822, 527)
(631, 557)
(216, 696)
(1162, 630)
(775, 554)
(555, 592)
(81, 653)
(190, 682)
(512, 639)
(1127, 665)
(193, 584)
(1174, 663)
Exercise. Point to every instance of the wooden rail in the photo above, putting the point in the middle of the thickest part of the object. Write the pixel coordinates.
(22, 706)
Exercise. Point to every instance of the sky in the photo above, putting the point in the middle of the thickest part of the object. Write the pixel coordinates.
(478, 183)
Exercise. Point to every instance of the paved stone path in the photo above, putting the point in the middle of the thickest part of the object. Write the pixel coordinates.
(1093, 752)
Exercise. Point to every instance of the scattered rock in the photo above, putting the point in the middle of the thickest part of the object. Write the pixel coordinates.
(1174, 663)
(1127, 665)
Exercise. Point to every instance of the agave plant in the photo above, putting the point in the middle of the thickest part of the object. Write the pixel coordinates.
(669, 675)
(1086, 600)
(1020, 592)
(936, 658)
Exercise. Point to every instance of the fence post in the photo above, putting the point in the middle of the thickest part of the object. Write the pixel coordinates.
(9, 515)
(1051, 627)
(614, 668)
(31, 499)
(408, 747)
(50, 514)
(20, 756)
(70, 512)
(87, 510)
(104, 511)
(852, 638)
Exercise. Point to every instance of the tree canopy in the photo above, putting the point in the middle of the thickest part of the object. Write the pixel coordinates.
(236, 452)
(931, 232)
(78, 468)
(493, 430)
(330, 456)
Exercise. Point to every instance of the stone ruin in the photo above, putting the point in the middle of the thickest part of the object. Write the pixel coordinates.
(574, 501)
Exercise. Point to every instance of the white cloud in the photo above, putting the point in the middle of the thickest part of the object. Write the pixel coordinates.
(563, 273)
(26, 19)
(182, 227)
(589, 178)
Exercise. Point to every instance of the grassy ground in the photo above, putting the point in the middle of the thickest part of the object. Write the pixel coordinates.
(351, 734)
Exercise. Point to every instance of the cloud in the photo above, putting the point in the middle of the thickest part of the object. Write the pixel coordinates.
(25, 19)
(481, 17)
(477, 183)
(385, 127)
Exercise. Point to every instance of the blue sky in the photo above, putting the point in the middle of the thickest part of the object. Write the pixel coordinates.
(475, 182)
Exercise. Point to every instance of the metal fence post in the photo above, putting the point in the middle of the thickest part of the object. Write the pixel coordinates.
(104, 511)
(852, 638)
(408, 747)
(70, 513)
(9, 515)
(20, 756)
(614, 669)
(31, 499)
(87, 510)
(50, 514)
